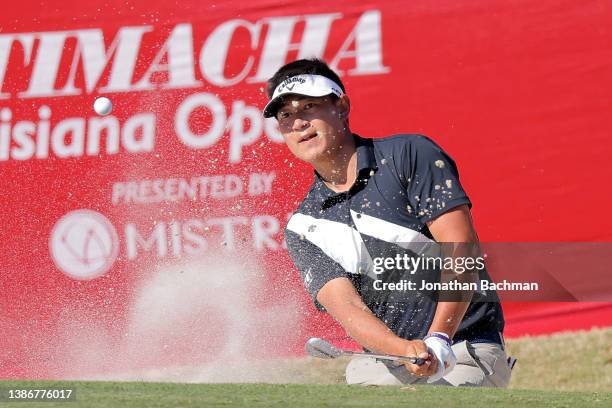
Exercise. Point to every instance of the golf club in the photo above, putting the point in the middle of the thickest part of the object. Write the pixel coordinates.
(320, 348)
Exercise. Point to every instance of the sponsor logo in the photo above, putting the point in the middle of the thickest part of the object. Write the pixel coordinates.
(290, 83)
(109, 64)
(84, 244)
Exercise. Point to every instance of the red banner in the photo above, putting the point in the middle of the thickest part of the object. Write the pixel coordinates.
(153, 235)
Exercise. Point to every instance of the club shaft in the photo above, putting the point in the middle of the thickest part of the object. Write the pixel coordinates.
(413, 360)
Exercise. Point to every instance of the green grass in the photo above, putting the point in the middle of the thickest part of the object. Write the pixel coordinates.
(563, 370)
(113, 394)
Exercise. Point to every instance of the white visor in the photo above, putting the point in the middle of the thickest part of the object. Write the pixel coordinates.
(308, 85)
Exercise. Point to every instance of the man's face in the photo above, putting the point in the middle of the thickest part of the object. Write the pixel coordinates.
(312, 127)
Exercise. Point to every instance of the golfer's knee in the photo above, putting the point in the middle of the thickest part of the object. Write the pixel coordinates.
(368, 371)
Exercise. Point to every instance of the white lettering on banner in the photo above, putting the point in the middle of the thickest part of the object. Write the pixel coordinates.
(194, 243)
(216, 48)
(228, 228)
(6, 42)
(197, 188)
(73, 137)
(78, 137)
(278, 41)
(145, 122)
(157, 238)
(22, 136)
(46, 64)
(73, 127)
(47, 50)
(175, 236)
(240, 134)
(84, 244)
(42, 144)
(125, 49)
(367, 37)
(91, 51)
(95, 127)
(178, 238)
(179, 50)
(5, 133)
(217, 127)
(261, 183)
(272, 131)
(265, 228)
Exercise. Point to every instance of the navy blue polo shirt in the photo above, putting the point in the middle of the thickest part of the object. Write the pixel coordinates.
(403, 181)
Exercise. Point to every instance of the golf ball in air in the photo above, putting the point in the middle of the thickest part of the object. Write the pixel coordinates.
(103, 106)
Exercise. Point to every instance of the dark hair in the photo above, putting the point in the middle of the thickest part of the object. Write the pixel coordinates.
(312, 66)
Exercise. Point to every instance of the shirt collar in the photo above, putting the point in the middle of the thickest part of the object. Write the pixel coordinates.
(366, 160)
(365, 154)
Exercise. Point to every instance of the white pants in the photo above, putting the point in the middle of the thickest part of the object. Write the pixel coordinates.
(478, 364)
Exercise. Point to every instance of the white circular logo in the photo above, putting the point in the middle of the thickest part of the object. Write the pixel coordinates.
(84, 244)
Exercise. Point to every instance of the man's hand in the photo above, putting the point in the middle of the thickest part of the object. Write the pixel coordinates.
(418, 348)
(443, 353)
(343, 302)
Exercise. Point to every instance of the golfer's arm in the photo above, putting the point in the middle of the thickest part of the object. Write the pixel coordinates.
(448, 316)
(342, 301)
(453, 226)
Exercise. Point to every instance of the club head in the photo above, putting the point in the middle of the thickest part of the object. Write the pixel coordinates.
(319, 348)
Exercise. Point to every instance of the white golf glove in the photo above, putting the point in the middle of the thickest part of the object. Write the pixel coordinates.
(438, 344)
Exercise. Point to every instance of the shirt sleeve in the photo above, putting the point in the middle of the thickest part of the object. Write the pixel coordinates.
(315, 267)
(433, 180)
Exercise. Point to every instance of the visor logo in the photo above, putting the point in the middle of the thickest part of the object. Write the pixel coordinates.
(292, 82)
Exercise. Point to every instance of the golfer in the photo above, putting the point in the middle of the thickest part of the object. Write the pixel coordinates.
(372, 197)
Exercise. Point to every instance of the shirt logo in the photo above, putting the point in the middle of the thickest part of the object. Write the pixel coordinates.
(308, 278)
